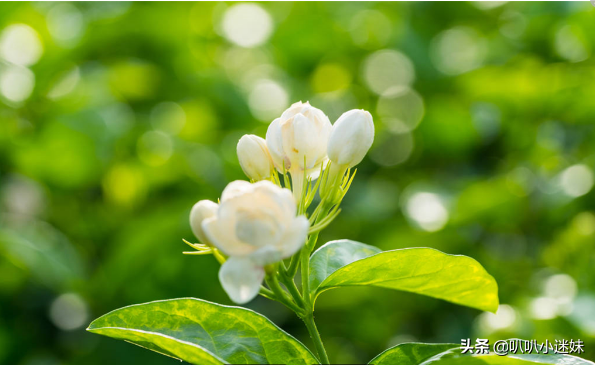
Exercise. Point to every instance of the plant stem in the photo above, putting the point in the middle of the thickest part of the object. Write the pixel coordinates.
(303, 308)
(293, 266)
(281, 295)
(297, 184)
(295, 260)
(305, 258)
(293, 290)
(301, 304)
(267, 293)
(308, 318)
(305, 263)
(309, 321)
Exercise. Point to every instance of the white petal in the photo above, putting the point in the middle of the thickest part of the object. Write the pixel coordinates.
(235, 188)
(223, 237)
(314, 172)
(294, 109)
(281, 196)
(266, 255)
(258, 225)
(301, 133)
(275, 143)
(351, 138)
(264, 185)
(200, 211)
(254, 157)
(300, 141)
(241, 279)
(256, 218)
(288, 202)
(295, 236)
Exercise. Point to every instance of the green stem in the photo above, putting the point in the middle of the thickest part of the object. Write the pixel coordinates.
(312, 241)
(324, 209)
(297, 185)
(293, 266)
(301, 304)
(293, 290)
(267, 293)
(309, 321)
(303, 309)
(305, 258)
(281, 295)
(295, 260)
(308, 318)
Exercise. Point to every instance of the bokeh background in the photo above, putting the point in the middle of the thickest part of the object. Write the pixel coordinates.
(115, 118)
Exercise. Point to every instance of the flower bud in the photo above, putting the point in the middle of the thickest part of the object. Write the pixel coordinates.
(351, 138)
(200, 211)
(255, 225)
(254, 157)
(300, 134)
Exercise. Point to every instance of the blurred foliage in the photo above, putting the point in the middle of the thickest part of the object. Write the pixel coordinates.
(116, 117)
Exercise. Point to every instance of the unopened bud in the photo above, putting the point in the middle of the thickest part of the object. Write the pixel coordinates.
(351, 138)
(254, 157)
(200, 211)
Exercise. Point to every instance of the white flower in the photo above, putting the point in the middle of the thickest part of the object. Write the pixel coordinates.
(301, 132)
(256, 225)
(351, 138)
(254, 157)
(200, 211)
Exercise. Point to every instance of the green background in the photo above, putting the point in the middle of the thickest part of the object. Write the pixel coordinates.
(115, 118)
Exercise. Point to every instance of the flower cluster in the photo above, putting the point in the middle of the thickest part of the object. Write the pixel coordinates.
(256, 225)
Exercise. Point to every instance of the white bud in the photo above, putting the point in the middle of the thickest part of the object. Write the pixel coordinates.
(301, 133)
(351, 138)
(254, 157)
(256, 225)
(200, 211)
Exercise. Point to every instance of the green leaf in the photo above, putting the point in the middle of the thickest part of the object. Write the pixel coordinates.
(454, 278)
(450, 354)
(411, 353)
(334, 255)
(201, 332)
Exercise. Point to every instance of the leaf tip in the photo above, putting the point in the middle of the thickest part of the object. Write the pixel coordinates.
(495, 303)
(92, 326)
(491, 304)
(494, 307)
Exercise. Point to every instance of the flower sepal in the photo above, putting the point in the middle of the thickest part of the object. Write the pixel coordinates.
(204, 249)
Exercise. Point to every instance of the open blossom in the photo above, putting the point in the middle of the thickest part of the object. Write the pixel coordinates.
(256, 225)
(351, 138)
(254, 157)
(301, 133)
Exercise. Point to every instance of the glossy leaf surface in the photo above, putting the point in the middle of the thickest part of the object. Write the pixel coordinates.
(334, 255)
(201, 332)
(454, 278)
